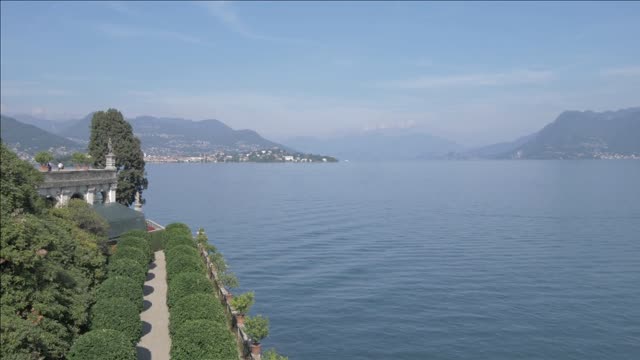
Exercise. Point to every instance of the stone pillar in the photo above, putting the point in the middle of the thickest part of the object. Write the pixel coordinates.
(111, 196)
(90, 195)
(138, 204)
(63, 198)
(111, 161)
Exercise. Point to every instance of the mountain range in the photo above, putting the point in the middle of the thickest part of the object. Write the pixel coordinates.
(572, 135)
(163, 136)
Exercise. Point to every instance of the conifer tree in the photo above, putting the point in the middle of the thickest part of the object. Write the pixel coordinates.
(111, 124)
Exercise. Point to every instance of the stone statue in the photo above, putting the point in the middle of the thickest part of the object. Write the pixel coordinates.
(110, 146)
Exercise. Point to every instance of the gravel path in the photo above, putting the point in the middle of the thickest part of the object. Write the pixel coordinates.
(155, 342)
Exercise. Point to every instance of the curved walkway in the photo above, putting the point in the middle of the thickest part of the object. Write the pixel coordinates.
(155, 342)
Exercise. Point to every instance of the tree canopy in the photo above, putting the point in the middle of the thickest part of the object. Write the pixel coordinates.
(111, 124)
(49, 267)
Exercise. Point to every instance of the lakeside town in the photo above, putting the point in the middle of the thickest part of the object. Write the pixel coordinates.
(274, 155)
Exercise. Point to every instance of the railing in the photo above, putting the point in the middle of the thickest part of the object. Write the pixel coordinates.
(155, 225)
(224, 295)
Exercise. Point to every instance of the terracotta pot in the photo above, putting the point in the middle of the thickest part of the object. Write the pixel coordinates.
(256, 349)
(228, 296)
(240, 320)
(44, 168)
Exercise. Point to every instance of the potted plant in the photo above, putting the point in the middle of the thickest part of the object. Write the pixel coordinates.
(43, 158)
(257, 328)
(80, 160)
(229, 281)
(241, 305)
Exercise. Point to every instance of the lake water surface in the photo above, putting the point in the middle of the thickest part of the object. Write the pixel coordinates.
(425, 260)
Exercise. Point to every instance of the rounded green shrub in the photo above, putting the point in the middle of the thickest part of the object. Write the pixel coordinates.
(196, 307)
(203, 339)
(178, 228)
(130, 252)
(173, 241)
(182, 264)
(104, 344)
(137, 242)
(136, 233)
(121, 287)
(157, 240)
(187, 283)
(181, 249)
(117, 314)
(128, 268)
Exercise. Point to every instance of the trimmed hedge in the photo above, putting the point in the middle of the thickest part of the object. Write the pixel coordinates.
(140, 243)
(105, 344)
(130, 252)
(128, 268)
(117, 314)
(121, 287)
(177, 240)
(185, 284)
(196, 307)
(136, 233)
(203, 339)
(182, 249)
(157, 239)
(178, 228)
(184, 263)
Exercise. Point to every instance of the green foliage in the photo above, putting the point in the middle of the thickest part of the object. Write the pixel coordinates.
(157, 240)
(200, 306)
(110, 124)
(181, 263)
(18, 184)
(218, 261)
(140, 243)
(130, 252)
(117, 314)
(79, 158)
(178, 228)
(136, 233)
(257, 328)
(203, 339)
(271, 354)
(201, 237)
(243, 302)
(128, 268)
(103, 344)
(121, 287)
(83, 215)
(174, 240)
(50, 265)
(229, 280)
(43, 157)
(182, 249)
(187, 283)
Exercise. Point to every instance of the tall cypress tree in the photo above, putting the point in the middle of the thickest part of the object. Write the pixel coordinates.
(111, 124)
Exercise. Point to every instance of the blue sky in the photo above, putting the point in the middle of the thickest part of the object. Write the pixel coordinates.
(472, 72)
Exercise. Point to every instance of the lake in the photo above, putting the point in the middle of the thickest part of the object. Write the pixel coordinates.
(425, 260)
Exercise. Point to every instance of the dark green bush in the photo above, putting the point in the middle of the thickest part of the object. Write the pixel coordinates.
(182, 249)
(117, 314)
(173, 241)
(196, 307)
(157, 240)
(178, 228)
(203, 339)
(121, 287)
(136, 233)
(128, 268)
(182, 264)
(137, 242)
(130, 252)
(105, 344)
(187, 283)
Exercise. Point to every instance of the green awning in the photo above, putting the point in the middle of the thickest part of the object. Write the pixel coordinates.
(120, 218)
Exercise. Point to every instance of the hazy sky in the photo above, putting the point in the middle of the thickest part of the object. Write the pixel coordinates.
(472, 72)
